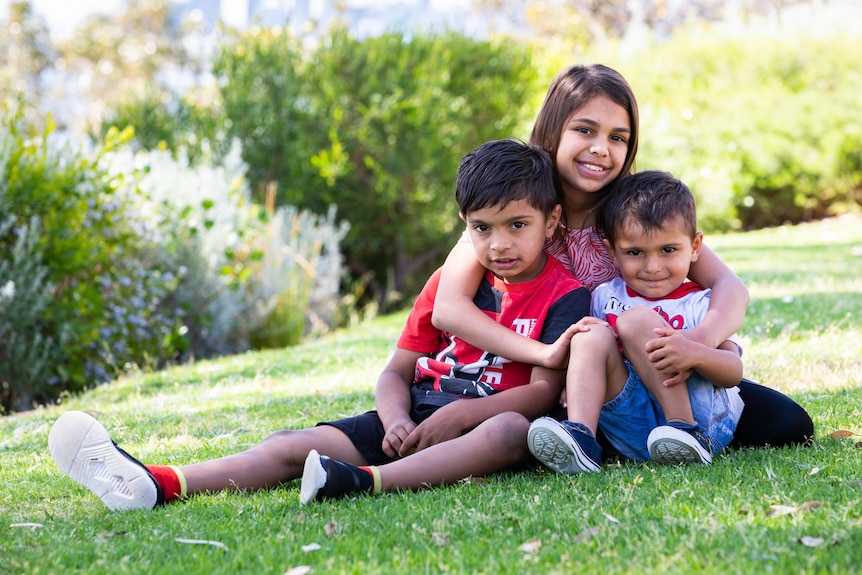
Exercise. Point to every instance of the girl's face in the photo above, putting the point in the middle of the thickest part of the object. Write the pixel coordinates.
(593, 146)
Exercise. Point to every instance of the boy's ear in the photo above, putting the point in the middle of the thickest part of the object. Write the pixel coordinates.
(462, 216)
(696, 245)
(553, 221)
(610, 249)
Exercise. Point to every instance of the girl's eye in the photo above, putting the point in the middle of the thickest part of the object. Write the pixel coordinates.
(619, 139)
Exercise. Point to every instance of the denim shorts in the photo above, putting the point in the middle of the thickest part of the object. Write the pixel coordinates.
(627, 419)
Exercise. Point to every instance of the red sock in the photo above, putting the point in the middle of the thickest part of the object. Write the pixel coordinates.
(171, 479)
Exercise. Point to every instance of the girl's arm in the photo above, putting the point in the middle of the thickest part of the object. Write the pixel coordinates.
(455, 312)
(727, 304)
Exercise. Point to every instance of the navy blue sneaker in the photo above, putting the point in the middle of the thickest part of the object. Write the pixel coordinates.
(565, 447)
(677, 443)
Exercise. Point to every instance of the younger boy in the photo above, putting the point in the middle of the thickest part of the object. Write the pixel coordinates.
(651, 233)
(445, 410)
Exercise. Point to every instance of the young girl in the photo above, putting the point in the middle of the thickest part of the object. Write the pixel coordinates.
(589, 124)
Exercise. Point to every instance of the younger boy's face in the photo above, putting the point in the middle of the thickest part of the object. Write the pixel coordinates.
(510, 241)
(656, 263)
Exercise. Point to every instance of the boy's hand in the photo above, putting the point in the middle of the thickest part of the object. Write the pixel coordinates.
(671, 352)
(444, 424)
(557, 353)
(394, 437)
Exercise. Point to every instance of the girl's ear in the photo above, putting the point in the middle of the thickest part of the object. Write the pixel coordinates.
(553, 221)
(696, 245)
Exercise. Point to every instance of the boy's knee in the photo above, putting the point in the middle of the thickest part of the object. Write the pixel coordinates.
(637, 320)
(599, 338)
(509, 431)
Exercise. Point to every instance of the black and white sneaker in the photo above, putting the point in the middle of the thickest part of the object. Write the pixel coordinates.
(325, 478)
(674, 444)
(82, 448)
(565, 447)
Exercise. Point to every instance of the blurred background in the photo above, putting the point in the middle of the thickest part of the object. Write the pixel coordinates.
(192, 178)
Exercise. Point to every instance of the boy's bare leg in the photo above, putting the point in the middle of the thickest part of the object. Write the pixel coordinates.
(596, 375)
(496, 443)
(635, 327)
(278, 458)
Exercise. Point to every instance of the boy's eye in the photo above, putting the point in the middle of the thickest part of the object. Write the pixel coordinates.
(480, 228)
(519, 225)
(633, 253)
(668, 250)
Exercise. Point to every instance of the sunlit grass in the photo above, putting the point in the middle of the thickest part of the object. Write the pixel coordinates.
(631, 518)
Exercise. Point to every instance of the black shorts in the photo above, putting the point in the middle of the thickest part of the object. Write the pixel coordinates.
(366, 431)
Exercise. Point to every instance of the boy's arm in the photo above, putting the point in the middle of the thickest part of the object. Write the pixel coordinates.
(393, 401)
(458, 417)
(727, 304)
(721, 366)
(455, 312)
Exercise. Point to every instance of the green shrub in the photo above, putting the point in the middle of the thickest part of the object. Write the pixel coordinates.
(763, 128)
(99, 261)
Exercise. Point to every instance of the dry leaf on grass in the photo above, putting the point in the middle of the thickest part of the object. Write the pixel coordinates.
(610, 517)
(841, 434)
(329, 529)
(440, 539)
(587, 534)
(299, 570)
(531, 546)
(218, 544)
(33, 526)
(811, 541)
(779, 510)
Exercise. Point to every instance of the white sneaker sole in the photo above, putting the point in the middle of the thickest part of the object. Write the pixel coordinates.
(83, 449)
(313, 478)
(552, 445)
(671, 446)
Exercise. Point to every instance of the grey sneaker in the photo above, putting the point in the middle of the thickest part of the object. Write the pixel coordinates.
(82, 448)
(565, 447)
(674, 444)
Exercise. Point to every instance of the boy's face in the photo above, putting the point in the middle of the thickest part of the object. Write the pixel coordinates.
(510, 241)
(657, 263)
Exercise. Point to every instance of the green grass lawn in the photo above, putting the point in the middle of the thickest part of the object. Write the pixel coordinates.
(789, 510)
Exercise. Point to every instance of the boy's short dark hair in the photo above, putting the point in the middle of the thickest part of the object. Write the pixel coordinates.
(503, 171)
(651, 198)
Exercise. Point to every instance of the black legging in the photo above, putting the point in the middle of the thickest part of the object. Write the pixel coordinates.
(770, 418)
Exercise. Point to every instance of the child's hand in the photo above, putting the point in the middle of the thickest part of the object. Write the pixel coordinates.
(394, 437)
(444, 424)
(672, 353)
(557, 353)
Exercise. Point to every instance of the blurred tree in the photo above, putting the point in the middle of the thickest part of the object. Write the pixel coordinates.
(402, 112)
(25, 55)
(376, 127)
(116, 59)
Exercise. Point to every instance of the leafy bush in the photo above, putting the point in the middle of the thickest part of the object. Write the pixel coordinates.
(247, 278)
(376, 126)
(764, 128)
(96, 261)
